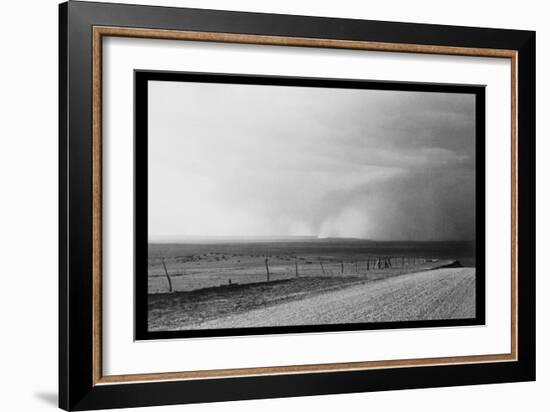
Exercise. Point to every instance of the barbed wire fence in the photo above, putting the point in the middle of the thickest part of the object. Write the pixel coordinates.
(296, 266)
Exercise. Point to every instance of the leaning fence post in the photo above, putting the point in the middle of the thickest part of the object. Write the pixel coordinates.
(167, 276)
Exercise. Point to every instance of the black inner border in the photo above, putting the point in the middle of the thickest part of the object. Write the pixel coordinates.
(141, 79)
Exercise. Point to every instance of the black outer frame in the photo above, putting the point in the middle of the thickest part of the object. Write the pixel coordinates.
(141, 79)
(76, 388)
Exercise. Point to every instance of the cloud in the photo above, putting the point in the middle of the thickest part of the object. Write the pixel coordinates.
(230, 160)
(412, 206)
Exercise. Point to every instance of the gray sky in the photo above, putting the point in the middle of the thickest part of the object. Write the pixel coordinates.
(247, 160)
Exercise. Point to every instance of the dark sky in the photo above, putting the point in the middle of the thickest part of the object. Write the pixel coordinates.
(234, 160)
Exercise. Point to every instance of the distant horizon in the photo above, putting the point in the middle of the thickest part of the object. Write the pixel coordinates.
(267, 238)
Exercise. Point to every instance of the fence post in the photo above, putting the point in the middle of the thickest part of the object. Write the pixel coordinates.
(267, 268)
(167, 276)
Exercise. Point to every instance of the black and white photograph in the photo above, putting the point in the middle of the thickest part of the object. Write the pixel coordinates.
(274, 204)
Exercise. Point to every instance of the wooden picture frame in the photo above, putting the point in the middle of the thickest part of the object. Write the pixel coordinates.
(82, 383)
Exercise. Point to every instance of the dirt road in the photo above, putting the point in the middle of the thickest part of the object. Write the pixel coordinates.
(435, 294)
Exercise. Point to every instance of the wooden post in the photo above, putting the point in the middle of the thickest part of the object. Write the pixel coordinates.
(296, 263)
(167, 277)
(342, 268)
(322, 267)
(368, 264)
(356, 270)
(267, 268)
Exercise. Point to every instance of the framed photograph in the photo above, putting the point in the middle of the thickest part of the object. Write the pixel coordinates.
(256, 205)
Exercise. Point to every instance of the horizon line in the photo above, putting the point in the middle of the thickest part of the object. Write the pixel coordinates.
(184, 238)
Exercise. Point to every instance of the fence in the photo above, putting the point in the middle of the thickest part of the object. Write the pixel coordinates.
(180, 273)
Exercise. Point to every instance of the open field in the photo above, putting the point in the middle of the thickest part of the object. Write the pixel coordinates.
(434, 294)
(193, 266)
(282, 282)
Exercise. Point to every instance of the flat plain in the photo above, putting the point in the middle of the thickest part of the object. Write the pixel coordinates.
(257, 283)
